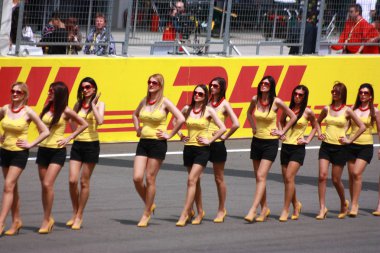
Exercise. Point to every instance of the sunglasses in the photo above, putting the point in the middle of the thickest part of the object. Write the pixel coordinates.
(335, 92)
(153, 82)
(87, 87)
(265, 83)
(17, 92)
(297, 94)
(364, 93)
(215, 85)
(199, 94)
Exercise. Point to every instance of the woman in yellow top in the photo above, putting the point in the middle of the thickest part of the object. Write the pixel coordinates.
(293, 147)
(360, 151)
(262, 116)
(218, 152)
(51, 153)
(197, 148)
(15, 119)
(85, 149)
(151, 150)
(333, 148)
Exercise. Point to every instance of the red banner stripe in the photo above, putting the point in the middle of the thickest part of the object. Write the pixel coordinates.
(68, 75)
(117, 121)
(36, 81)
(8, 75)
(110, 113)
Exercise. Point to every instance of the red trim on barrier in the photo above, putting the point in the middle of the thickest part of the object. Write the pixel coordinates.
(117, 121)
(120, 129)
(36, 81)
(109, 113)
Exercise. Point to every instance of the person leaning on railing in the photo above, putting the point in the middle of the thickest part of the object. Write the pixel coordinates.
(73, 35)
(98, 37)
(54, 32)
(357, 30)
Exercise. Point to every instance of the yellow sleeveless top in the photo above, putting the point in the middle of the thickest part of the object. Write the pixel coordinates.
(335, 127)
(265, 123)
(14, 129)
(56, 132)
(213, 127)
(197, 128)
(366, 137)
(90, 133)
(152, 121)
(297, 131)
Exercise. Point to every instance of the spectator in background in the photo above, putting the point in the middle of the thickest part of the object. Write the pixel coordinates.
(73, 35)
(309, 38)
(100, 35)
(27, 33)
(54, 32)
(357, 30)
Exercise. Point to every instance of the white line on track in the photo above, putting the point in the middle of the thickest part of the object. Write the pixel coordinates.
(181, 152)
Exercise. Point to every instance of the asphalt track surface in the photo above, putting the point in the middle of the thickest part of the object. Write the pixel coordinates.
(114, 209)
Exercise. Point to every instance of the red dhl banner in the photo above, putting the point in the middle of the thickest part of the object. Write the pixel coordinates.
(122, 82)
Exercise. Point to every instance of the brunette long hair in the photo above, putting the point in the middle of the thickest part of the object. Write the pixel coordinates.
(223, 86)
(343, 91)
(371, 106)
(304, 101)
(204, 103)
(58, 103)
(80, 96)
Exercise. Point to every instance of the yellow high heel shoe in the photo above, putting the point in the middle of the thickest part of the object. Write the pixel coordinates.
(322, 217)
(143, 224)
(221, 220)
(77, 226)
(299, 208)
(153, 208)
(49, 229)
(263, 218)
(182, 223)
(197, 222)
(191, 215)
(376, 213)
(284, 218)
(2, 230)
(353, 214)
(16, 231)
(343, 215)
(250, 219)
(70, 222)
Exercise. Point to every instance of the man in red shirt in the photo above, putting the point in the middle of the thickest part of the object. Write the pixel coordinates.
(357, 30)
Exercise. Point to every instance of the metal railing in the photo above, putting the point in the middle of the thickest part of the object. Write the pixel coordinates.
(187, 27)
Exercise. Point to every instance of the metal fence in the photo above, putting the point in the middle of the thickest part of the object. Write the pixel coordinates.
(188, 27)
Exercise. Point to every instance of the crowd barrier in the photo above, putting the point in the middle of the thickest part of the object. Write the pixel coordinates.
(123, 82)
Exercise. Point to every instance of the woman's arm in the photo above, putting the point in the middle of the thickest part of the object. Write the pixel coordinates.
(41, 127)
(182, 137)
(98, 109)
(222, 128)
(252, 106)
(135, 117)
(178, 120)
(80, 122)
(293, 118)
(351, 114)
(234, 119)
(321, 117)
(315, 127)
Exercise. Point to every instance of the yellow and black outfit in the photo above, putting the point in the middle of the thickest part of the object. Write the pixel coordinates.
(362, 147)
(48, 150)
(218, 151)
(14, 129)
(194, 152)
(290, 150)
(264, 145)
(86, 146)
(150, 145)
(331, 149)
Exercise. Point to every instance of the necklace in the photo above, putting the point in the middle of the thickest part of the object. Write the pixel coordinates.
(17, 110)
(196, 112)
(337, 109)
(84, 106)
(152, 102)
(364, 109)
(217, 103)
(263, 104)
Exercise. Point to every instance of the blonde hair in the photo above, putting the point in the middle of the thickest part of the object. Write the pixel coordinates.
(160, 80)
(24, 87)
